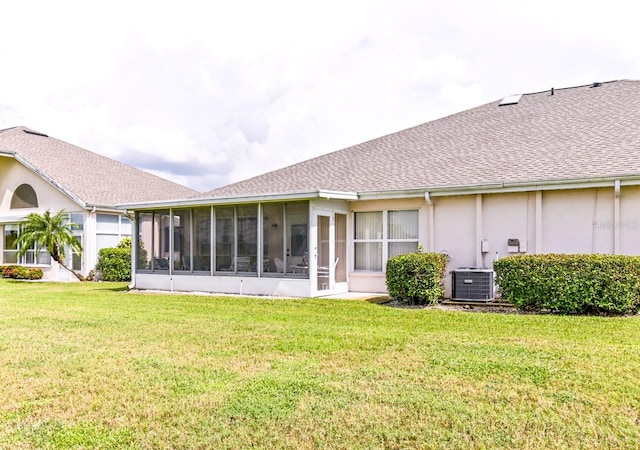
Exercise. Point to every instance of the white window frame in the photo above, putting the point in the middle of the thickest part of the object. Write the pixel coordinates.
(30, 254)
(120, 233)
(384, 240)
(79, 234)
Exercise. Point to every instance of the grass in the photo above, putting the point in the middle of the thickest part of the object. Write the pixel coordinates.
(88, 365)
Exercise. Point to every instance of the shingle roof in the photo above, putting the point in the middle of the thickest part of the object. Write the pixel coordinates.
(577, 133)
(91, 178)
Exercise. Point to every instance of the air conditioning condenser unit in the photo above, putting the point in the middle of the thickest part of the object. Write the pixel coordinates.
(472, 284)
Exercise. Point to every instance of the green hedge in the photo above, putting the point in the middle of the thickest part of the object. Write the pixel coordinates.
(21, 273)
(416, 278)
(571, 284)
(115, 264)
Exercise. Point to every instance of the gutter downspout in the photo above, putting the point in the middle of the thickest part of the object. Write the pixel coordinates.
(616, 218)
(134, 251)
(538, 248)
(431, 225)
(479, 232)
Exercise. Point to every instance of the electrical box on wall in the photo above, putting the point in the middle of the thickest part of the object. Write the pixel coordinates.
(484, 246)
(513, 245)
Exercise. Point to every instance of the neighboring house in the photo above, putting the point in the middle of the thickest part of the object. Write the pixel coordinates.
(553, 171)
(38, 172)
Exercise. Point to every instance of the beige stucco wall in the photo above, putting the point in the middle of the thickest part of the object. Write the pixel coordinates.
(546, 221)
(360, 281)
(629, 223)
(13, 174)
(581, 220)
(568, 219)
(504, 217)
(454, 229)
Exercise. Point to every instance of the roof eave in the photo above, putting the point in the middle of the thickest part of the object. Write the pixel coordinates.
(494, 188)
(45, 177)
(275, 197)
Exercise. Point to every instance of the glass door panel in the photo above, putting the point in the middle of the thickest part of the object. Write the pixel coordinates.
(341, 248)
(323, 260)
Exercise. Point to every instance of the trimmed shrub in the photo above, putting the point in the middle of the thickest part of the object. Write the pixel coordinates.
(416, 278)
(33, 273)
(571, 284)
(9, 271)
(115, 264)
(124, 243)
(142, 253)
(21, 273)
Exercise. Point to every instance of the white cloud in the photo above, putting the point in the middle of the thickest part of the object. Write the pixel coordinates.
(207, 93)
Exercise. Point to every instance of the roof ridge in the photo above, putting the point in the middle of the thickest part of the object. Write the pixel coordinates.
(7, 129)
(91, 177)
(574, 87)
(583, 133)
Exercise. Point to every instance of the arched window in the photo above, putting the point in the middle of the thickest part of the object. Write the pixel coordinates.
(24, 197)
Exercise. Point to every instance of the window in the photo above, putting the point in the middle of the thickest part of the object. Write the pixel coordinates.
(182, 239)
(153, 240)
(74, 259)
(225, 237)
(368, 241)
(298, 224)
(10, 245)
(341, 248)
(10, 249)
(273, 237)
(202, 239)
(247, 233)
(402, 232)
(110, 229)
(145, 240)
(284, 239)
(24, 197)
(161, 240)
(380, 235)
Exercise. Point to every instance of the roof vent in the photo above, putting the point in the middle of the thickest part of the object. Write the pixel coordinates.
(510, 100)
(35, 133)
(596, 84)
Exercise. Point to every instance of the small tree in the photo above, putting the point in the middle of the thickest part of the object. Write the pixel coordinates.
(52, 232)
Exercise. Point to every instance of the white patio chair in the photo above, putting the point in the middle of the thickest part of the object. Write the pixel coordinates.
(243, 264)
(279, 265)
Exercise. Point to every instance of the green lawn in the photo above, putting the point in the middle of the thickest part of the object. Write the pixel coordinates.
(92, 366)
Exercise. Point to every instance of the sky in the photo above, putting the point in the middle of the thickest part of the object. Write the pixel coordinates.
(206, 93)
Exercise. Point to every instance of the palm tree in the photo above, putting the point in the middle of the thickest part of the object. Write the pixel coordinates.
(52, 232)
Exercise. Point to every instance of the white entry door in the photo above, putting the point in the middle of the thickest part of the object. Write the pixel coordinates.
(330, 253)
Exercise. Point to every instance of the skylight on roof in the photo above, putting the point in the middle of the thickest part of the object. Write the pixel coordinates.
(510, 100)
(36, 133)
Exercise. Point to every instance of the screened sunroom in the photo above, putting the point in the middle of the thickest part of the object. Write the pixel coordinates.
(295, 248)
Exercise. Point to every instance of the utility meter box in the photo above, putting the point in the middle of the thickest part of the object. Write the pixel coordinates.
(513, 245)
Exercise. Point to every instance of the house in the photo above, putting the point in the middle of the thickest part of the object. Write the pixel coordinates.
(553, 171)
(38, 172)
